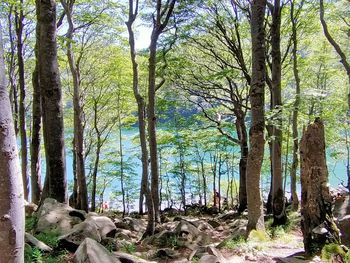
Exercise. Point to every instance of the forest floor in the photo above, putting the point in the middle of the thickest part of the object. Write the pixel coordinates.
(220, 238)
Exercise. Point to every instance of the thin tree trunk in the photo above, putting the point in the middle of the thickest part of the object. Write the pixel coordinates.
(256, 134)
(141, 109)
(316, 208)
(35, 160)
(50, 83)
(243, 137)
(97, 160)
(22, 95)
(293, 171)
(11, 71)
(121, 155)
(82, 197)
(11, 195)
(278, 207)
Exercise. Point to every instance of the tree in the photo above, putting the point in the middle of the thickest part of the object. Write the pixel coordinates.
(278, 205)
(81, 198)
(19, 18)
(316, 209)
(343, 60)
(163, 12)
(35, 166)
(294, 15)
(141, 110)
(256, 132)
(49, 78)
(11, 196)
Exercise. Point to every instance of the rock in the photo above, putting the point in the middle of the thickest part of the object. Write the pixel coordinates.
(104, 225)
(53, 215)
(124, 257)
(166, 253)
(132, 224)
(78, 234)
(90, 251)
(187, 234)
(214, 223)
(30, 208)
(213, 251)
(30, 239)
(344, 225)
(209, 259)
(228, 216)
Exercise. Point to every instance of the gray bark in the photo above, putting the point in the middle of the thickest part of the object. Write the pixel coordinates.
(11, 195)
(49, 77)
(316, 208)
(256, 133)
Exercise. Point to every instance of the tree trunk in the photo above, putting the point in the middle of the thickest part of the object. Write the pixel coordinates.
(256, 133)
(243, 137)
(97, 160)
(35, 165)
(121, 155)
(11, 70)
(22, 95)
(82, 197)
(278, 206)
(11, 195)
(141, 108)
(293, 171)
(152, 137)
(51, 92)
(316, 208)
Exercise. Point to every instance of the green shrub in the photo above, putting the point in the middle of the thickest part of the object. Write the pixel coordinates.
(50, 238)
(332, 250)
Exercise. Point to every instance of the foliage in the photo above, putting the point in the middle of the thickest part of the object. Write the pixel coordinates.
(331, 252)
(30, 223)
(50, 238)
(128, 248)
(234, 243)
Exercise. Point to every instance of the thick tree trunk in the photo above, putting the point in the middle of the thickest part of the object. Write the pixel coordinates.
(22, 96)
(278, 206)
(317, 222)
(51, 92)
(11, 194)
(293, 171)
(82, 197)
(256, 133)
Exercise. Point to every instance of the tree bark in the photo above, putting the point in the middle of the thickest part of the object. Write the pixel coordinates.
(11, 71)
(256, 133)
(35, 165)
(293, 171)
(158, 27)
(316, 208)
(243, 137)
(22, 95)
(11, 195)
(141, 109)
(82, 197)
(51, 92)
(278, 206)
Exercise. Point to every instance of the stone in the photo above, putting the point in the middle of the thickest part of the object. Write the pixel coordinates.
(55, 216)
(214, 223)
(104, 225)
(90, 251)
(30, 208)
(33, 241)
(78, 234)
(209, 259)
(344, 225)
(124, 257)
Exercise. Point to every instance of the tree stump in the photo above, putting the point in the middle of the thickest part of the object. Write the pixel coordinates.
(317, 222)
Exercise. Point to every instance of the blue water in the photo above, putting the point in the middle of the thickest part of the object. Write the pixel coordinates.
(336, 168)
